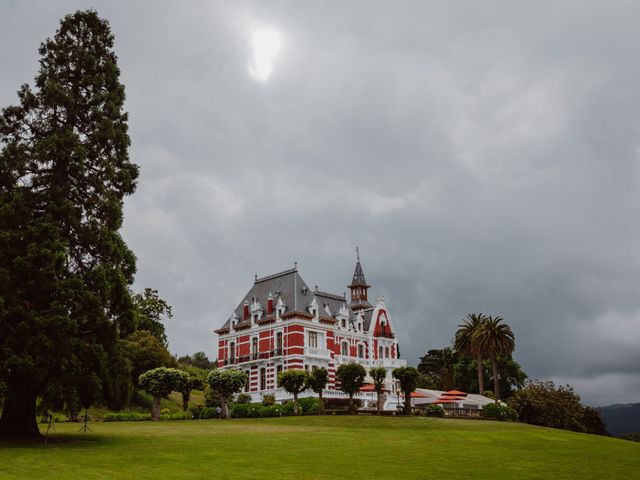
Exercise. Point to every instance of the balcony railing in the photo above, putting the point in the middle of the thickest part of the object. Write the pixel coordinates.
(386, 334)
(278, 352)
(317, 352)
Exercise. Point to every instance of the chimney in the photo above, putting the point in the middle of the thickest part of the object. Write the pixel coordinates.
(270, 304)
(245, 310)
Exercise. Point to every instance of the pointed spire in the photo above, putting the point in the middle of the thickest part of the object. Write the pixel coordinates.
(359, 286)
(358, 274)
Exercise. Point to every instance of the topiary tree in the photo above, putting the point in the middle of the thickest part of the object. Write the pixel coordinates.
(317, 381)
(379, 375)
(193, 383)
(225, 383)
(293, 381)
(351, 377)
(160, 382)
(408, 378)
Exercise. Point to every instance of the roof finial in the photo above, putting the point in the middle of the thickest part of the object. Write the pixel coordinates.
(358, 252)
(295, 265)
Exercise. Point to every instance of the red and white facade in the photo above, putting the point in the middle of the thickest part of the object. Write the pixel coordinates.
(282, 324)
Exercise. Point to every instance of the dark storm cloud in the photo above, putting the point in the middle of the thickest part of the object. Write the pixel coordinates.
(484, 157)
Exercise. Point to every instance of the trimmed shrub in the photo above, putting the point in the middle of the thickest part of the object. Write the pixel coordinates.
(489, 394)
(175, 416)
(434, 411)
(272, 411)
(268, 399)
(257, 410)
(287, 408)
(309, 405)
(239, 410)
(497, 411)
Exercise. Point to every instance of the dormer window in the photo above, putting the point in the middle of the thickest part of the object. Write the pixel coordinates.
(344, 323)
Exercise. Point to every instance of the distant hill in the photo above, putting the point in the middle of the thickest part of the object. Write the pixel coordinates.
(622, 418)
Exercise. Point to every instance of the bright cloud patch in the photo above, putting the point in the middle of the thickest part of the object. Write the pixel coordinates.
(266, 44)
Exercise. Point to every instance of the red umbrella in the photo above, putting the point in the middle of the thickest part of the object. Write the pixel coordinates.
(449, 399)
(455, 392)
(418, 395)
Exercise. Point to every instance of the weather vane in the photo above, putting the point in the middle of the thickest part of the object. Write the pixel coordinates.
(358, 252)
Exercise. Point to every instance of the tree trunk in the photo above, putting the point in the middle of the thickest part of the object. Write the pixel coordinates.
(379, 402)
(18, 421)
(407, 403)
(155, 409)
(225, 407)
(496, 380)
(295, 404)
(321, 403)
(351, 404)
(480, 374)
(185, 400)
(73, 415)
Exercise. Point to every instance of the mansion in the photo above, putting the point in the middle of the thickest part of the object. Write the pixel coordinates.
(283, 324)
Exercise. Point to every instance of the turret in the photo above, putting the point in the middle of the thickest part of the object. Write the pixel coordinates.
(359, 287)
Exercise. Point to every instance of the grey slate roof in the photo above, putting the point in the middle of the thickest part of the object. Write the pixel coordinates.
(296, 295)
(335, 302)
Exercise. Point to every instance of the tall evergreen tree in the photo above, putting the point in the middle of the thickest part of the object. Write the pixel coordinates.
(64, 269)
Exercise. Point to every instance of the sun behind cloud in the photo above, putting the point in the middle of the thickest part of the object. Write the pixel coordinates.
(266, 43)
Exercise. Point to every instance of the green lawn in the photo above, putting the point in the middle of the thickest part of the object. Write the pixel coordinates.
(322, 447)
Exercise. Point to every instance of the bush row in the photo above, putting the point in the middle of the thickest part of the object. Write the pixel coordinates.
(126, 417)
(308, 406)
(139, 417)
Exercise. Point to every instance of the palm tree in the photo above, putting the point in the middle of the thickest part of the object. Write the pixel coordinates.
(464, 343)
(495, 338)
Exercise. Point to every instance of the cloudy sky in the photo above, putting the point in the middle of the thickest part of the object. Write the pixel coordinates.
(485, 156)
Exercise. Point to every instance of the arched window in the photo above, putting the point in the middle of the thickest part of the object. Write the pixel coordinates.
(254, 346)
(232, 352)
(361, 351)
(386, 352)
(263, 379)
(380, 351)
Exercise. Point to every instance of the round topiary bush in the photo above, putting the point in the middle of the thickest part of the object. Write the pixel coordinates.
(434, 411)
(497, 411)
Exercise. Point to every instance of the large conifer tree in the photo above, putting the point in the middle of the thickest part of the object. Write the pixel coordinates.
(64, 268)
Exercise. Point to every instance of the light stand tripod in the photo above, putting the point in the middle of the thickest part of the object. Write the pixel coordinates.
(50, 426)
(85, 427)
